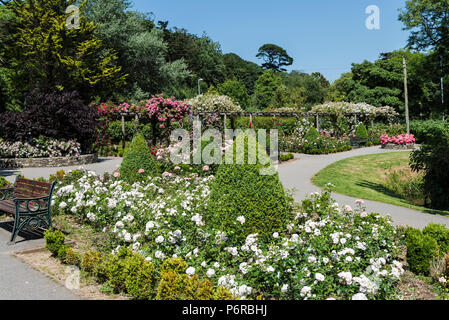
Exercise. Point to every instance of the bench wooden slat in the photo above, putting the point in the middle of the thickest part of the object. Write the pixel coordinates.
(38, 210)
(34, 183)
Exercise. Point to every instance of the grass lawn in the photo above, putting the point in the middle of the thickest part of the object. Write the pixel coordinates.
(364, 177)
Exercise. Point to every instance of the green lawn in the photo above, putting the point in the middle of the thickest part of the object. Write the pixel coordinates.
(363, 177)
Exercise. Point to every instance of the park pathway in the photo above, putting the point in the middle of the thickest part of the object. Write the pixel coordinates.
(19, 281)
(298, 175)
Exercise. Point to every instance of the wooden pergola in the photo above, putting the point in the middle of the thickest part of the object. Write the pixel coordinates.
(251, 115)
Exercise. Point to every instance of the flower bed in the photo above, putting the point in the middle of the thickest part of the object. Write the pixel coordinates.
(39, 148)
(324, 253)
(324, 144)
(403, 141)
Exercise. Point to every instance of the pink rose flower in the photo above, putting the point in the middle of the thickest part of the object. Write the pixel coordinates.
(116, 174)
(141, 170)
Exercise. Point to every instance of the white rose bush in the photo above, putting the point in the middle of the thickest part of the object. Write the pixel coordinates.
(325, 252)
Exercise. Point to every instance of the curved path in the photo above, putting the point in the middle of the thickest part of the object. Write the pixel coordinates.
(298, 175)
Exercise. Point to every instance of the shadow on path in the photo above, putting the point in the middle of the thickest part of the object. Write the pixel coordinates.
(25, 235)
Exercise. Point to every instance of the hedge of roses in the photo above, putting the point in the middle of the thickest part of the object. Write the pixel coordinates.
(402, 139)
(39, 148)
(324, 252)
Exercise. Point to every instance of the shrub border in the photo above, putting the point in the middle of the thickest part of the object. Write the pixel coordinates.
(15, 163)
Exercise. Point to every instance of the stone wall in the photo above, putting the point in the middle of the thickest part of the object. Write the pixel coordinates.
(398, 146)
(48, 162)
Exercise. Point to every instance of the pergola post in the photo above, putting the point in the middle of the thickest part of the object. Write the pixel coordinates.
(224, 121)
(318, 122)
(123, 132)
(250, 121)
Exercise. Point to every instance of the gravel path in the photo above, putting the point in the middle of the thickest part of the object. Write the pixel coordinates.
(298, 175)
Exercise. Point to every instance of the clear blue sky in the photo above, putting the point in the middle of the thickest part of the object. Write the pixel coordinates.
(321, 35)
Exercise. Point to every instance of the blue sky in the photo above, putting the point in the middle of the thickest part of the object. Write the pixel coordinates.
(321, 35)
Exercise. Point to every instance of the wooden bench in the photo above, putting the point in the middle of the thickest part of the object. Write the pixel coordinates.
(30, 203)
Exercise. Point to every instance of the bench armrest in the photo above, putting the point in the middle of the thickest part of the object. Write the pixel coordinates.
(6, 194)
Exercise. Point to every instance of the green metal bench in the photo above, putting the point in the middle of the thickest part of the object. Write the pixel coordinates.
(30, 203)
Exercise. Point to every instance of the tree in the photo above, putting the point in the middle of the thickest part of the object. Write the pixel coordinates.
(289, 98)
(314, 86)
(140, 47)
(265, 88)
(380, 83)
(236, 91)
(275, 57)
(202, 55)
(244, 71)
(47, 55)
(9, 96)
(428, 21)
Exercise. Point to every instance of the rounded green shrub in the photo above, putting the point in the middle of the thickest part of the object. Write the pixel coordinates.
(139, 277)
(441, 234)
(72, 257)
(91, 259)
(247, 190)
(421, 249)
(177, 265)
(312, 135)
(361, 132)
(54, 240)
(138, 156)
(62, 252)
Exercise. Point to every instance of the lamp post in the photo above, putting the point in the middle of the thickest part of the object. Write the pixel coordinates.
(199, 86)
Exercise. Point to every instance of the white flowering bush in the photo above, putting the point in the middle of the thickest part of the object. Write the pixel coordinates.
(340, 108)
(39, 148)
(324, 252)
(213, 103)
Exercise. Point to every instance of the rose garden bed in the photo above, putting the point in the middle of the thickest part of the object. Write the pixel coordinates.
(14, 163)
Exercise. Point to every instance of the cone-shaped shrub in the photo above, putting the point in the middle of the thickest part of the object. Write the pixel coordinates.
(138, 157)
(312, 135)
(242, 190)
(361, 132)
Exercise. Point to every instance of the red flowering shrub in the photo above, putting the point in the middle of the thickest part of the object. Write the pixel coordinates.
(402, 139)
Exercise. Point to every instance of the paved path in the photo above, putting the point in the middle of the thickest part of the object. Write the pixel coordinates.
(18, 281)
(298, 175)
(102, 166)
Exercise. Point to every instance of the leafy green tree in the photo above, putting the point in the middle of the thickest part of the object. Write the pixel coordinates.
(275, 57)
(289, 98)
(202, 55)
(245, 71)
(236, 91)
(314, 86)
(47, 55)
(9, 96)
(140, 48)
(428, 23)
(265, 88)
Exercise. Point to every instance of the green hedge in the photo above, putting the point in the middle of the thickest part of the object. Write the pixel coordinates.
(115, 130)
(422, 130)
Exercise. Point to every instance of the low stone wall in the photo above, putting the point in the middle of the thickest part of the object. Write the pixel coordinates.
(48, 162)
(398, 146)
